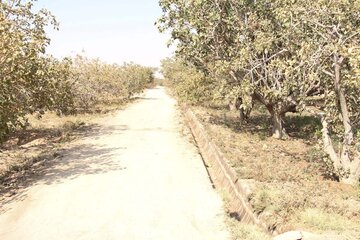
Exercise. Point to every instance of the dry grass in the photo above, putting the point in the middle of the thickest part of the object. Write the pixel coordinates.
(246, 231)
(290, 175)
(315, 218)
(241, 231)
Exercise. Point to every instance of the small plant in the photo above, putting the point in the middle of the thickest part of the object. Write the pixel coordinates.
(261, 201)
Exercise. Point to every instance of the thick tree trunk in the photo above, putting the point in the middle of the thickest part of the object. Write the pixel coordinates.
(246, 112)
(354, 177)
(242, 115)
(348, 171)
(278, 129)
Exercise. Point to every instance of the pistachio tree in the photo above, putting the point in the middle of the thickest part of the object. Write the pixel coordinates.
(334, 27)
(96, 82)
(188, 83)
(280, 52)
(22, 62)
(251, 47)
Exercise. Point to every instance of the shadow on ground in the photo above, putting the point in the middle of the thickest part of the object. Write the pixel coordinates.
(146, 98)
(59, 165)
(297, 126)
(70, 131)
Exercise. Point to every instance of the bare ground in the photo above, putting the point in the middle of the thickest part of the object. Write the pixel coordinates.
(135, 177)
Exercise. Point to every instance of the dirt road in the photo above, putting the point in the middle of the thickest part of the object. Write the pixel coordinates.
(136, 177)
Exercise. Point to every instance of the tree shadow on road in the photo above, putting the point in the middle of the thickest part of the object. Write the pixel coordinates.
(81, 160)
(147, 98)
(69, 164)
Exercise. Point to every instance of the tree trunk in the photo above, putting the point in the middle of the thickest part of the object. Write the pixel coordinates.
(242, 115)
(353, 177)
(348, 171)
(235, 105)
(351, 163)
(348, 134)
(329, 147)
(245, 113)
(346, 167)
(242, 112)
(278, 129)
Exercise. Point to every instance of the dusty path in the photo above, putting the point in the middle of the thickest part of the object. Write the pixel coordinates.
(137, 178)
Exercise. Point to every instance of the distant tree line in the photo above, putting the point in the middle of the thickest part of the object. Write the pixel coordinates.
(32, 82)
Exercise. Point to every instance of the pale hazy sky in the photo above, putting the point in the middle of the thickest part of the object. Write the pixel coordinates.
(112, 30)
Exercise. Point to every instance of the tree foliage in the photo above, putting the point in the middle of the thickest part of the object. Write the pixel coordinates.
(250, 44)
(25, 71)
(33, 82)
(96, 82)
(335, 32)
(188, 83)
(279, 53)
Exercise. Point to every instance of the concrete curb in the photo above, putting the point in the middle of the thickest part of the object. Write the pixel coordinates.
(222, 174)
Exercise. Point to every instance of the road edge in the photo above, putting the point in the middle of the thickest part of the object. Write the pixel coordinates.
(222, 175)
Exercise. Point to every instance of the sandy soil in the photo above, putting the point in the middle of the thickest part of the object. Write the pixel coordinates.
(136, 177)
